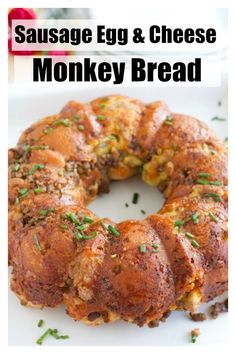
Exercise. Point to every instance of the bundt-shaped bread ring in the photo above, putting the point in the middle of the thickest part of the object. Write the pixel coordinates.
(134, 270)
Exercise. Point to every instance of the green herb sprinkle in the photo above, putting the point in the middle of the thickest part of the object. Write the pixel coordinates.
(112, 230)
(40, 323)
(213, 216)
(37, 243)
(142, 248)
(135, 198)
(35, 168)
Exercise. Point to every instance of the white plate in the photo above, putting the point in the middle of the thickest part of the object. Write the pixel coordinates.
(28, 104)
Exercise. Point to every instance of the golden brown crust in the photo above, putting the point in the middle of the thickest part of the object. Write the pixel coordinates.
(182, 130)
(42, 250)
(190, 164)
(127, 282)
(203, 209)
(134, 270)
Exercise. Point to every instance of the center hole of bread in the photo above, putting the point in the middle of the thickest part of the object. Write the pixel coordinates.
(118, 203)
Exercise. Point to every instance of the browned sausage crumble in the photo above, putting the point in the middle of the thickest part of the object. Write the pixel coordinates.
(217, 308)
(197, 317)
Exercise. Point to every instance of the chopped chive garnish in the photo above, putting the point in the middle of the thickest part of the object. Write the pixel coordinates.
(206, 182)
(88, 220)
(92, 235)
(195, 218)
(135, 198)
(168, 120)
(44, 336)
(29, 148)
(35, 168)
(104, 226)
(48, 130)
(101, 117)
(54, 334)
(16, 166)
(142, 248)
(189, 235)
(195, 244)
(215, 183)
(155, 247)
(218, 118)
(38, 190)
(105, 99)
(127, 205)
(65, 122)
(216, 196)
(40, 323)
(65, 336)
(102, 105)
(72, 217)
(37, 243)
(23, 192)
(213, 216)
(76, 118)
(143, 211)
(81, 127)
(79, 236)
(112, 230)
(204, 174)
(80, 227)
(45, 212)
(178, 224)
(51, 332)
